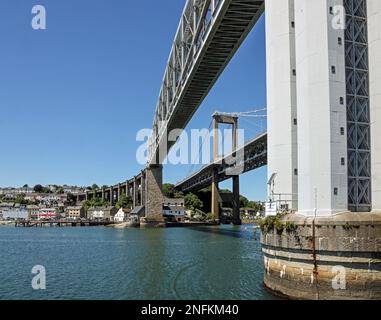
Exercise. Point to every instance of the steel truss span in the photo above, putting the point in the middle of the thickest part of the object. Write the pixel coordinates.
(358, 111)
(209, 34)
(251, 156)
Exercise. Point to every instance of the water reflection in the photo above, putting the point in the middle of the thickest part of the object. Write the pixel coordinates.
(104, 263)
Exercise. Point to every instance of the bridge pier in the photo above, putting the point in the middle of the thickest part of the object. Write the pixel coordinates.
(111, 196)
(236, 202)
(215, 196)
(134, 193)
(153, 197)
(143, 189)
(233, 121)
(118, 192)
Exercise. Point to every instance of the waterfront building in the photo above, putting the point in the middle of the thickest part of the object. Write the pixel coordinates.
(15, 214)
(32, 211)
(75, 213)
(120, 216)
(174, 209)
(174, 202)
(45, 214)
(15, 191)
(102, 213)
(6, 205)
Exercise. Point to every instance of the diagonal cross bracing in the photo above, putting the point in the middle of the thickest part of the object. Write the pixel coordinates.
(209, 34)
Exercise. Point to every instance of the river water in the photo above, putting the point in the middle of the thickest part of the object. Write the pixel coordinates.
(104, 263)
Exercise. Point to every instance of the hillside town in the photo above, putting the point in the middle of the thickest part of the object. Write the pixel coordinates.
(59, 203)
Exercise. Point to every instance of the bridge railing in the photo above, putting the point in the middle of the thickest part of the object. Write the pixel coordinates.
(285, 202)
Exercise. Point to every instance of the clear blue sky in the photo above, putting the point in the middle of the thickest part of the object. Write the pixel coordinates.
(73, 97)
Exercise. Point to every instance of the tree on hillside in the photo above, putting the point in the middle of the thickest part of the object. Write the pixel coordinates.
(21, 199)
(243, 201)
(192, 202)
(25, 186)
(170, 191)
(46, 190)
(38, 188)
(60, 190)
(224, 191)
(71, 199)
(257, 206)
(94, 187)
(124, 202)
(95, 202)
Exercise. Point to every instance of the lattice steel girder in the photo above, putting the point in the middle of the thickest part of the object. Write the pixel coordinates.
(209, 34)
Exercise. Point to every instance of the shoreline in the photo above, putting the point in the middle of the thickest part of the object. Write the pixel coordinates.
(126, 225)
(6, 223)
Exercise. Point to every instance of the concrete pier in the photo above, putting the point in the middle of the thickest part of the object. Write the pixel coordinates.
(336, 257)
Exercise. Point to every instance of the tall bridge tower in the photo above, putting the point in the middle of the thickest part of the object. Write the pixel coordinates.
(324, 148)
(323, 89)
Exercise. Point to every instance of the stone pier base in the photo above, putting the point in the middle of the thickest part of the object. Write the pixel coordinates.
(153, 198)
(339, 258)
(144, 223)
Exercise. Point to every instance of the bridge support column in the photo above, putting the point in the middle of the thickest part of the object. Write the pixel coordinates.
(111, 196)
(153, 197)
(236, 202)
(139, 193)
(103, 193)
(118, 193)
(215, 191)
(143, 189)
(236, 195)
(215, 196)
(134, 193)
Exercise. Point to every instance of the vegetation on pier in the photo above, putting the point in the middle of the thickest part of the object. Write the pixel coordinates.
(270, 223)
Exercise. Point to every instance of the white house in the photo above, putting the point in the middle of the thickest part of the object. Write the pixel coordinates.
(174, 209)
(120, 216)
(102, 213)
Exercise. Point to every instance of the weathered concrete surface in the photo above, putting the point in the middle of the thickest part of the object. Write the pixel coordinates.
(346, 250)
(153, 197)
